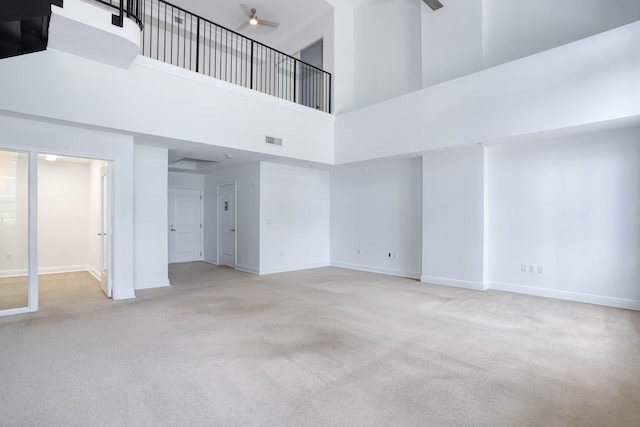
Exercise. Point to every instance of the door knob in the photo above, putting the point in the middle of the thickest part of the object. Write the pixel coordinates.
(233, 229)
(173, 229)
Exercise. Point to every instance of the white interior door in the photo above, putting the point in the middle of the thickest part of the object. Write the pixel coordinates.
(185, 225)
(227, 225)
(105, 231)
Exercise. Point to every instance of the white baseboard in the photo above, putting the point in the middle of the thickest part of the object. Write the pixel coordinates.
(152, 284)
(124, 294)
(288, 268)
(13, 273)
(566, 295)
(47, 270)
(210, 261)
(95, 273)
(64, 269)
(445, 281)
(246, 269)
(380, 270)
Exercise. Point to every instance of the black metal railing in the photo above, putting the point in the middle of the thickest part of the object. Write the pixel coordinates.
(131, 9)
(179, 37)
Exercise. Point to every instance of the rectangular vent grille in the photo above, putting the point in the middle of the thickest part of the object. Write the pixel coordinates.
(273, 140)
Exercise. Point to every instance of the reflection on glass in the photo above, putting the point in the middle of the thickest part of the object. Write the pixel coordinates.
(14, 205)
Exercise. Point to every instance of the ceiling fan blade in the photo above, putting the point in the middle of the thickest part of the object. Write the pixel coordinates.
(246, 9)
(433, 4)
(268, 23)
(242, 26)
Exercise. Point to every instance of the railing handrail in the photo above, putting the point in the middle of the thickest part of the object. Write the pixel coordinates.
(138, 19)
(314, 82)
(238, 34)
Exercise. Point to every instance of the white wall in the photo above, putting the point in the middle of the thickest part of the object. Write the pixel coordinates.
(376, 209)
(514, 29)
(588, 82)
(387, 50)
(60, 86)
(247, 179)
(320, 28)
(150, 217)
(294, 218)
(64, 208)
(571, 206)
(343, 53)
(466, 36)
(453, 218)
(46, 137)
(186, 180)
(452, 40)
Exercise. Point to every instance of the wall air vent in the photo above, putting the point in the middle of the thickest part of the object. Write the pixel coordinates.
(272, 140)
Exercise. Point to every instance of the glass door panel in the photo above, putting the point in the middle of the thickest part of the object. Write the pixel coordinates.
(14, 231)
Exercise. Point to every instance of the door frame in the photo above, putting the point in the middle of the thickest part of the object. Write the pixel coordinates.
(235, 221)
(32, 223)
(182, 187)
(106, 248)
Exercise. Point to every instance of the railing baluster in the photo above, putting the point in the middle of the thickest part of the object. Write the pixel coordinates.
(295, 79)
(232, 57)
(157, 34)
(198, 45)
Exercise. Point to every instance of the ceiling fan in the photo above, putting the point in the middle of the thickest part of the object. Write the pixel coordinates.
(433, 4)
(253, 19)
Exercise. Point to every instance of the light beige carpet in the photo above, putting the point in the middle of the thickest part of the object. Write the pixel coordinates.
(318, 347)
(57, 289)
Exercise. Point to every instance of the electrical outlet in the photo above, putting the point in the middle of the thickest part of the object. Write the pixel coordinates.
(9, 257)
(281, 253)
(358, 251)
(540, 269)
(531, 269)
(394, 255)
(523, 268)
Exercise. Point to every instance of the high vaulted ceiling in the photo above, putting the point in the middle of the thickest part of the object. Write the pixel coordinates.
(292, 15)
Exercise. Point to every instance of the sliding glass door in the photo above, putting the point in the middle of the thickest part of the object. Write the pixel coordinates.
(14, 232)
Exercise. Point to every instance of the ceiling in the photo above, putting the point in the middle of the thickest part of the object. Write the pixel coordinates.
(292, 15)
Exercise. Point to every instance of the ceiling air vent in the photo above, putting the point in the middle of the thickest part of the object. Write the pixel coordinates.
(272, 140)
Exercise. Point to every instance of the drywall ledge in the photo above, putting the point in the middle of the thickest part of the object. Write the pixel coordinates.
(565, 295)
(585, 83)
(85, 30)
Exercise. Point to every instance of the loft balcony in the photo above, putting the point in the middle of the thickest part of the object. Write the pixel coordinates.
(168, 33)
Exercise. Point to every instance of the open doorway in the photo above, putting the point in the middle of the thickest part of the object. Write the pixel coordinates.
(55, 231)
(311, 78)
(74, 229)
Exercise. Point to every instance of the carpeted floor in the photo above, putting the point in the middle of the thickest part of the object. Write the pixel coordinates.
(57, 289)
(318, 347)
